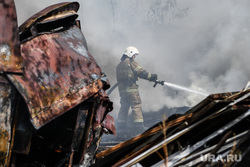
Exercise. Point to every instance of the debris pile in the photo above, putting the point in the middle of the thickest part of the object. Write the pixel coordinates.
(215, 132)
(53, 104)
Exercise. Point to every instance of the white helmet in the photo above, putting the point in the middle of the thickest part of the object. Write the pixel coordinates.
(131, 51)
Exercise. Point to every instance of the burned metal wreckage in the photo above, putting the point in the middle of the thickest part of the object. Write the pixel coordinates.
(54, 109)
(53, 105)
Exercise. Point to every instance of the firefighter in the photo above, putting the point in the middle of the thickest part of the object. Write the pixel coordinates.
(127, 73)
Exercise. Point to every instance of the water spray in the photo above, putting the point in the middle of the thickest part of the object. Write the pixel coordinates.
(178, 87)
(167, 84)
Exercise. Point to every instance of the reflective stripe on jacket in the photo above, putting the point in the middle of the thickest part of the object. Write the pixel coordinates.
(127, 72)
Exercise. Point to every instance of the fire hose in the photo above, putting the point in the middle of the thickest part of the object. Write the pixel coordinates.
(115, 85)
(166, 84)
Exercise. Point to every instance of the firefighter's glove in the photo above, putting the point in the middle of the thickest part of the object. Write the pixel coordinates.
(153, 77)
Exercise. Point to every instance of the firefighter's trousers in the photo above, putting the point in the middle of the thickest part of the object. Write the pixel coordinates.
(133, 100)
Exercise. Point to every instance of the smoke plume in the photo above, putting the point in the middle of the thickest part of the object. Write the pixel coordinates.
(201, 45)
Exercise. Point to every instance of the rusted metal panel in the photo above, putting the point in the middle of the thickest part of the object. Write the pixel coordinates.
(5, 123)
(10, 58)
(59, 74)
(53, 12)
(109, 124)
(102, 117)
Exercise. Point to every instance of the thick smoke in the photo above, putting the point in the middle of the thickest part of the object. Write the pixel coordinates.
(201, 45)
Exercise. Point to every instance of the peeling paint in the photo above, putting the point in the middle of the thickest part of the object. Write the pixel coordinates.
(5, 52)
(56, 77)
(5, 123)
(10, 57)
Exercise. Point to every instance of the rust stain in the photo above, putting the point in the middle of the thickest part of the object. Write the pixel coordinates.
(59, 74)
(50, 13)
(5, 117)
(4, 141)
(10, 58)
(4, 146)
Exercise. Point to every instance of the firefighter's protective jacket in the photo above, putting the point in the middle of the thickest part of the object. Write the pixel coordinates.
(127, 73)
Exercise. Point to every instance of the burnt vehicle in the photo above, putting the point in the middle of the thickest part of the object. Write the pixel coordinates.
(53, 105)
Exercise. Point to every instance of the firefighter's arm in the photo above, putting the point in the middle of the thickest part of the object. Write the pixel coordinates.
(141, 73)
(148, 76)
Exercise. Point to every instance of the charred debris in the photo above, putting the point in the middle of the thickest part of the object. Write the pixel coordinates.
(53, 104)
(54, 109)
(215, 132)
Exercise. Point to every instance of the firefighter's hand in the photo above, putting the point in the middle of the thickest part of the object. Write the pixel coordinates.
(153, 77)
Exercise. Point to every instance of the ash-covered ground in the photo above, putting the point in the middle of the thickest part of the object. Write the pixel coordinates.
(150, 119)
